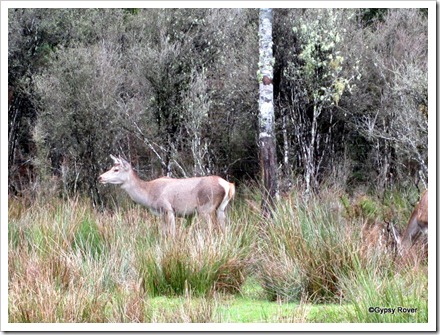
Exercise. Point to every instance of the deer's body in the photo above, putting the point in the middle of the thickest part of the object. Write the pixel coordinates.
(173, 197)
(418, 223)
(182, 196)
(416, 229)
(377, 238)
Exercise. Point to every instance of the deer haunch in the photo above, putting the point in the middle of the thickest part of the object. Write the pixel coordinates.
(416, 232)
(377, 239)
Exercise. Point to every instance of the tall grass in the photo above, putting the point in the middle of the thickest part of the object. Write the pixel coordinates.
(311, 251)
(68, 262)
(198, 259)
(305, 249)
(386, 294)
(62, 263)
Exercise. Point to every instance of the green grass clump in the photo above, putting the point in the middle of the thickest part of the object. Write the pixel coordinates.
(371, 288)
(198, 260)
(304, 251)
(88, 239)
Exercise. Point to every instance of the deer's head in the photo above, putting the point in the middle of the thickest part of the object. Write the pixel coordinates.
(118, 174)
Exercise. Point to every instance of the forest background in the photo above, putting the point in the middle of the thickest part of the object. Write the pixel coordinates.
(176, 91)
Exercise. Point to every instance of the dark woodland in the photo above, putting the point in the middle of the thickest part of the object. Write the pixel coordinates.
(175, 91)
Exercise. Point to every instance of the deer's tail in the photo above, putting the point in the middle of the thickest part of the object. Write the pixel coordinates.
(231, 193)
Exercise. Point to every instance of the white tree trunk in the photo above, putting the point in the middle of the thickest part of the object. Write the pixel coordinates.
(267, 141)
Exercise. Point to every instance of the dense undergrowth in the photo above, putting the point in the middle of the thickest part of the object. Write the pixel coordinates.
(69, 262)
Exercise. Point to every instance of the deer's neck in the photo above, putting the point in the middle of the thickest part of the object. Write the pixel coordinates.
(137, 189)
(412, 231)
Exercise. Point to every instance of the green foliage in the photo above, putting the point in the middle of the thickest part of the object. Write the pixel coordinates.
(316, 76)
(142, 81)
(386, 128)
(70, 263)
(368, 208)
(132, 11)
(320, 62)
(174, 89)
(372, 15)
(79, 102)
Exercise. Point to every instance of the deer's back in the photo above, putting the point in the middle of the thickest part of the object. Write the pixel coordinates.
(185, 196)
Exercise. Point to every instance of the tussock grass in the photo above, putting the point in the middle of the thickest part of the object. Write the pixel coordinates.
(71, 263)
(198, 259)
(68, 262)
(305, 249)
(311, 252)
(373, 291)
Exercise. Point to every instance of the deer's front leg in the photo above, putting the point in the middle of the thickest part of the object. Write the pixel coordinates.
(170, 222)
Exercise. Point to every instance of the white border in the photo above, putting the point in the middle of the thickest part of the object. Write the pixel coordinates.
(219, 4)
(432, 164)
(430, 326)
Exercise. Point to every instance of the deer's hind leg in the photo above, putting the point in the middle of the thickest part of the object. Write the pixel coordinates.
(221, 219)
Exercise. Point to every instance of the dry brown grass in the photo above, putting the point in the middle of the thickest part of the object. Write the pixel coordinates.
(68, 262)
(71, 263)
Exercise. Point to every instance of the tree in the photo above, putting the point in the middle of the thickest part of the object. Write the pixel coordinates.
(267, 141)
(312, 79)
(401, 121)
(196, 90)
(344, 90)
(170, 94)
(388, 108)
(32, 37)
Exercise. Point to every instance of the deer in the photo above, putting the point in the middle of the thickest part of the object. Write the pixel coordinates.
(416, 229)
(377, 238)
(171, 197)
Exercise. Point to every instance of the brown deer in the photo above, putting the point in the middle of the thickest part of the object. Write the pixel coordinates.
(377, 239)
(416, 229)
(173, 197)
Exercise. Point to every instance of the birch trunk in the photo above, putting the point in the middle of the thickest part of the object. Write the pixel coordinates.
(267, 141)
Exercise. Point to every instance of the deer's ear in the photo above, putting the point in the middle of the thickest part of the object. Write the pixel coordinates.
(395, 232)
(126, 165)
(115, 160)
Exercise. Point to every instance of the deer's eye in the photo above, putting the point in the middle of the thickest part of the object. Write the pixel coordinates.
(116, 170)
